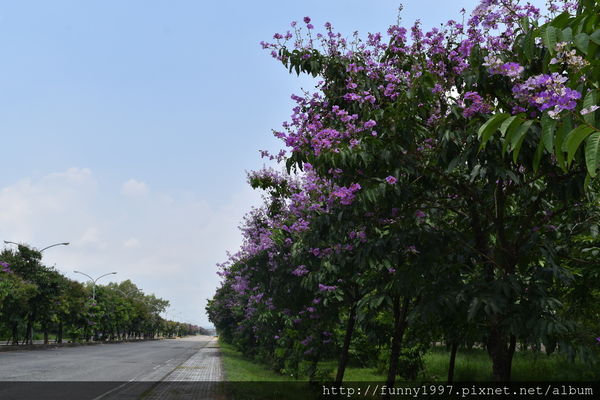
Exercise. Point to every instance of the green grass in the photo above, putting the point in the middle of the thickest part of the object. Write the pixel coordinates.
(237, 367)
(471, 365)
(475, 365)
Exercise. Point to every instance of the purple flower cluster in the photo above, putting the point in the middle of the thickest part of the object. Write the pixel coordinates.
(496, 67)
(325, 288)
(5, 267)
(300, 271)
(472, 103)
(547, 93)
(346, 194)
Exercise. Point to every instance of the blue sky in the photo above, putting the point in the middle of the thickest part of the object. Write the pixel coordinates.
(127, 127)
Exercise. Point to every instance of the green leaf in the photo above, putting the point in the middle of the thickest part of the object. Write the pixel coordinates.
(475, 172)
(529, 45)
(561, 21)
(565, 127)
(517, 139)
(592, 153)
(473, 308)
(595, 37)
(574, 139)
(509, 134)
(491, 125)
(537, 157)
(566, 35)
(548, 128)
(582, 42)
(550, 37)
(590, 99)
(506, 124)
(525, 24)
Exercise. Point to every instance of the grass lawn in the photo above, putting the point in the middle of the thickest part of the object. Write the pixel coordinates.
(471, 365)
(237, 367)
(475, 365)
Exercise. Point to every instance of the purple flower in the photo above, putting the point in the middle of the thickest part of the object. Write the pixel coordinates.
(369, 124)
(306, 20)
(598, 339)
(346, 194)
(300, 271)
(325, 288)
(306, 341)
(276, 337)
(547, 93)
(420, 214)
(496, 67)
(391, 180)
(476, 106)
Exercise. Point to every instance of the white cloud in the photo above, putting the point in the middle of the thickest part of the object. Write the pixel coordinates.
(168, 245)
(90, 236)
(134, 188)
(131, 243)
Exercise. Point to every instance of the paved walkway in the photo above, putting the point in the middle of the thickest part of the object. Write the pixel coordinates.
(196, 378)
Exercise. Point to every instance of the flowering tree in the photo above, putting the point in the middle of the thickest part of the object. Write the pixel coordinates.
(479, 139)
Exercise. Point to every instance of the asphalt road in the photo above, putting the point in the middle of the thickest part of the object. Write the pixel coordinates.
(120, 370)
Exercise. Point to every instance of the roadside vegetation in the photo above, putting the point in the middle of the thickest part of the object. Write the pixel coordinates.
(440, 187)
(472, 365)
(38, 302)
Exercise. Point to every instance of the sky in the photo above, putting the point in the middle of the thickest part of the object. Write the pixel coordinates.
(127, 128)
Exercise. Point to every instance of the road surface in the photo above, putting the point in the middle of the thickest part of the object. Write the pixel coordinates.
(114, 371)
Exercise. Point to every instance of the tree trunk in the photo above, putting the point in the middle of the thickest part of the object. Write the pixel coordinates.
(45, 335)
(343, 360)
(15, 334)
(400, 314)
(501, 353)
(29, 332)
(453, 351)
(59, 334)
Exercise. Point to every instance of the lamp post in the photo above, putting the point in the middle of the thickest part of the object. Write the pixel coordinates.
(45, 248)
(30, 324)
(94, 281)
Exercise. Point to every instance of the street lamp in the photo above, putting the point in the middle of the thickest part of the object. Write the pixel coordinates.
(94, 281)
(47, 247)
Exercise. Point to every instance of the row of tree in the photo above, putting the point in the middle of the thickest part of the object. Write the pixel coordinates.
(441, 186)
(34, 297)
